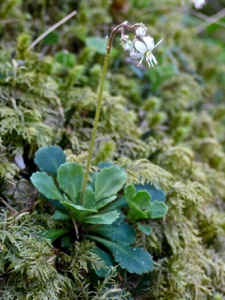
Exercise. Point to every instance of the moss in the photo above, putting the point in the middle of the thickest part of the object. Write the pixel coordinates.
(164, 127)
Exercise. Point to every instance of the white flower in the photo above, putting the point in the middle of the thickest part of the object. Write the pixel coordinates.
(141, 31)
(143, 48)
(198, 3)
(127, 45)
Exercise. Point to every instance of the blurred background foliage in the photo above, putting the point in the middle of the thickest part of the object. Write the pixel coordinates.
(165, 124)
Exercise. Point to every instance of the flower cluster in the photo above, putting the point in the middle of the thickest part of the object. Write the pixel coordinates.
(141, 47)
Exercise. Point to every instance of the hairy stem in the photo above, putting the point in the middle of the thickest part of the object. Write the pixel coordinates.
(97, 114)
(99, 101)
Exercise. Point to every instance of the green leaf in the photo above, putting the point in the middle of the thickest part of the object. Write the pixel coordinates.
(134, 260)
(78, 212)
(141, 206)
(109, 182)
(142, 199)
(51, 39)
(48, 159)
(135, 213)
(157, 194)
(66, 241)
(102, 203)
(145, 229)
(59, 215)
(157, 210)
(98, 44)
(107, 218)
(130, 192)
(65, 58)
(89, 198)
(70, 179)
(212, 27)
(57, 205)
(121, 233)
(107, 260)
(53, 234)
(116, 205)
(46, 186)
(121, 219)
(106, 164)
(138, 203)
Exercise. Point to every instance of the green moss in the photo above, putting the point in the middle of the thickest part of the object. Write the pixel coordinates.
(163, 126)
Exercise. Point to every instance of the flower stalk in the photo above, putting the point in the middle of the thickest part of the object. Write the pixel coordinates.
(98, 109)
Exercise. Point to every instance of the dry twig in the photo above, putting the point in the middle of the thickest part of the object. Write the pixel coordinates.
(52, 28)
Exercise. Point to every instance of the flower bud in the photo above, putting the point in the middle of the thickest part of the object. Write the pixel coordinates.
(127, 45)
(141, 31)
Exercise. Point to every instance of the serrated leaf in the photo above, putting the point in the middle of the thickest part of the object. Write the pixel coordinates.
(107, 260)
(135, 213)
(70, 178)
(109, 182)
(105, 164)
(141, 206)
(48, 159)
(53, 234)
(134, 260)
(157, 194)
(157, 210)
(78, 212)
(137, 203)
(121, 232)
(145, 229)
(106, 218)
(142, 199)
(46, 186)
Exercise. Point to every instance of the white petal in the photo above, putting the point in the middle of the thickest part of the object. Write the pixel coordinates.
(149, 42)
(135, 55)
(141, 47)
